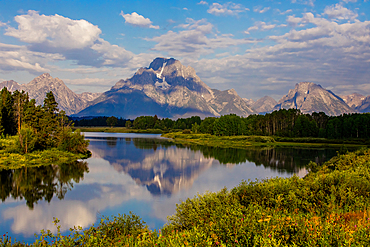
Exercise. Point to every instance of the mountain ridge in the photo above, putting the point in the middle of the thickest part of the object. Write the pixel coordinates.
(169, 89)
(310, 97)
(68, 101)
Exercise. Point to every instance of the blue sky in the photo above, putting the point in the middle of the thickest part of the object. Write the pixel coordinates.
(256, 47)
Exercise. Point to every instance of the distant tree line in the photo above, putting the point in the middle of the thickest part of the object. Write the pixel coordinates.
(98, 121)
(149, 122)
(38, 127)
(282, 123)
(142, 122)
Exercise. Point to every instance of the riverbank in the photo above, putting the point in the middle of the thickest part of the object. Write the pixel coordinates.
(248, 141)
(11, 159)
(328, 207)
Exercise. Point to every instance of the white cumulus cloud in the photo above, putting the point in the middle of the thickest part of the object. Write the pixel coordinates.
(260, 10)
(54, 31)
(197, 38)
(339, 12)
(18, 58)
(226, 9)
(138, 20)
(60, 38)
(260, 25)
(322, 51)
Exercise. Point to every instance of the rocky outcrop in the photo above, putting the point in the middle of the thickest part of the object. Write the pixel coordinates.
(310, 97)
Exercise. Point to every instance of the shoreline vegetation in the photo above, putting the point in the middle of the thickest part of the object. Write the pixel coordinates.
(34, 135)
(187, 137)
(261, 141)
(10, 158)
(330, 206)
(279, 128)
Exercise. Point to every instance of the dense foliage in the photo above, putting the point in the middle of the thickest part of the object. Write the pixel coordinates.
(37, 127)
(328, 207)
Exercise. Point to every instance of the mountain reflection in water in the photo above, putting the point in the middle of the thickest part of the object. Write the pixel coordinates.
(131, 172)
(165, 168)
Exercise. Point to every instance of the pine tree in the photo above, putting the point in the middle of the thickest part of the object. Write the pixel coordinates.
(7, 122)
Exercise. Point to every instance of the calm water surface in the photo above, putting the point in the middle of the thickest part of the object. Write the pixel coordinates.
(141, 173)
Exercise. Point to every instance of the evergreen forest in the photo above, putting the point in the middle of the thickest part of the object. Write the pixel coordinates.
(27, 129)
(283, 123)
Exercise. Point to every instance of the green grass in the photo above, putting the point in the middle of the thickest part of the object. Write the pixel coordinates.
(11, 159)
(249, 141)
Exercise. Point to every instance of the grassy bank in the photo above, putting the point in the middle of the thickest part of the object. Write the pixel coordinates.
(119, 130)
(246, 141)
(10, 158)
(328, 207)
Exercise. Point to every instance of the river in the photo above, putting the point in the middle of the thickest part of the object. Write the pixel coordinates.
(142, 173)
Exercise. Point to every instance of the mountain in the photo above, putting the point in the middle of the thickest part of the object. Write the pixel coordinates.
(264, 104)
(358, 102)
(228, 101)
(67, 100)
(353, 100)
(310, 97)
(365, 105)
(168, 89)
(249, 101)
(11, 85)
(86, 96)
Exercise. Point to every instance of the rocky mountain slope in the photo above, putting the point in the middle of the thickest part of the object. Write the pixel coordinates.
(86, 96)
(364, 106)
(310, 97)
(264, 104)
(228, 101)
(358, 102)
(38, 87)
(11, 85)
(353, 100)
(168, 89)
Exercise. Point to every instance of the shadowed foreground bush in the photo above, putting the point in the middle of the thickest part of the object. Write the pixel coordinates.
(329, 207)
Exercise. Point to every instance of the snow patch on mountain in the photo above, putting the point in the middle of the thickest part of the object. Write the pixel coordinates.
(161, 80)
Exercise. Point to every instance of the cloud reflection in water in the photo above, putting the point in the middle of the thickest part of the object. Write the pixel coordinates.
(126, 174)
